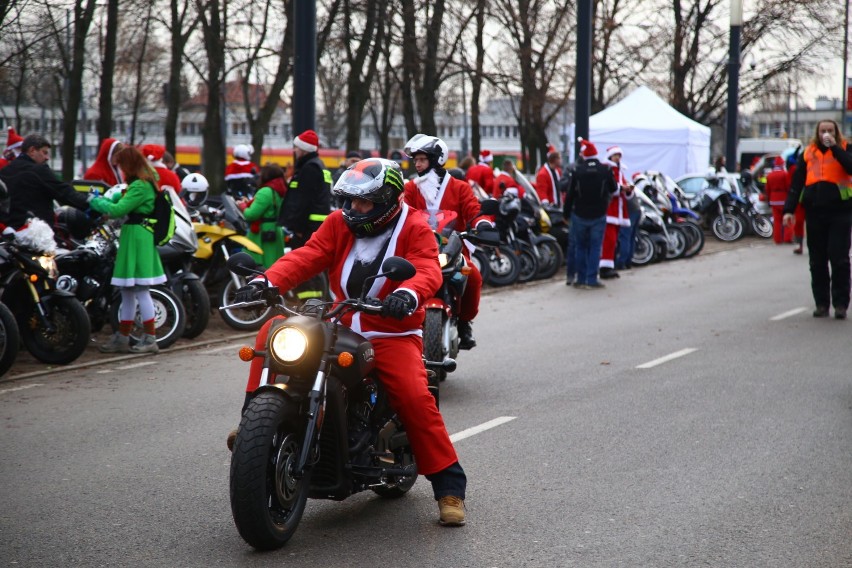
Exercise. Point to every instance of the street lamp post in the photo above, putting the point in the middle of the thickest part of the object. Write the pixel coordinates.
(733, 85)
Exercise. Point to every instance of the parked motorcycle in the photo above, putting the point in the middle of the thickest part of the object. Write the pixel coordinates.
(53, 324)
(744, 202)
(10, 339)
(320, 425)
(220, 228)
(87, 272)
(718, 213)
(510, 224)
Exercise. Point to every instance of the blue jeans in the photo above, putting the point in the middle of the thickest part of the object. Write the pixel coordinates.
(627, 240)
(587, 238)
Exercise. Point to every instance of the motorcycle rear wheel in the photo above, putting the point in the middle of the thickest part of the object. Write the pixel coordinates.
(10, 339)
(695, 238)
(244, 320)
(267, 501)
(196, 303)
(551, 259)
(169, 318)
(479, 258)
(71, 335)
(504, 265)
(528, 262)
(678, 242)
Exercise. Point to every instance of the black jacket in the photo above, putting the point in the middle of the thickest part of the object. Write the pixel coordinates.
(590, 190)
(308, 198)
(32, 189)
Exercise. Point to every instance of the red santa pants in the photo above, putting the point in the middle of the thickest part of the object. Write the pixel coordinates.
(472, 292)
(399, 365)
(799, 227)
(609, 241)
(780, 233)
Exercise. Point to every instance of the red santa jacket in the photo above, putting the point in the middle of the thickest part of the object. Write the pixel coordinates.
(777, 187)
(483, 175)
(3, 163)
(545, 185)
(102, 169)
(330, 248)
(453, 195)
(616, 213)
(167, 177)
(508, 183)
(240, 169)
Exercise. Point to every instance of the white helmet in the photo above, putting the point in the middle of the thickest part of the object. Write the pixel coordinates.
(194, 189)
(432, 146)
(243, 151)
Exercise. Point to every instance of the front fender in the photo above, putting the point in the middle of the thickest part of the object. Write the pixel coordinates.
(544, 237)
(436, 304)
(246, 244)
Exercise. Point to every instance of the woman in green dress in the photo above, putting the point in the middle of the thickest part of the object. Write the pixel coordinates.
(262, 213)
(137, 264)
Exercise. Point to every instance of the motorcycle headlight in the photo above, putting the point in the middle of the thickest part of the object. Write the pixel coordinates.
(48, 263)
(443, 260)
(288, 345)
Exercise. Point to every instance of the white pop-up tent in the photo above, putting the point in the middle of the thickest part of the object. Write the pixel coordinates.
(653, 135)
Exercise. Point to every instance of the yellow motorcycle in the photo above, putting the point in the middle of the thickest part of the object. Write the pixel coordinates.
(220, 227)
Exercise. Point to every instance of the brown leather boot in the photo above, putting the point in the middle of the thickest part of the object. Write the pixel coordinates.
(451, 509)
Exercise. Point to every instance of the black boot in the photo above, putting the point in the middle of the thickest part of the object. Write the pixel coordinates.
(466, 340)
(607, 273)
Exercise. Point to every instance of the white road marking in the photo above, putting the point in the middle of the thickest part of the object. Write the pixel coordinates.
(667, 358)
(788, 314)
(13, 389)
(481, 428)
(234, 348)
(135, 365)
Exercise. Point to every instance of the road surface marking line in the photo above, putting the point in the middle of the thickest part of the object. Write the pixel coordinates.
(481, 428)
(135, 365)
(105, 372)
(788, 314)
(20, 388)
(667, 358)
(225, 348)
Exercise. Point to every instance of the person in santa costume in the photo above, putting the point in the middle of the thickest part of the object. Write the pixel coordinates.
(777, 187)
(154, 154)
(434, 190)
(506, 182)
(103, 169)
(482, 173)
(351, 244)
(547, 178)
(13, 147)
(241, 174)
(617, 215)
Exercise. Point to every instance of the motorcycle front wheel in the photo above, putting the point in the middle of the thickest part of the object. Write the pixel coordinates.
(761, 226)
(267, 500)
(433, 345)
(677, 242)
(728, 229)
(196, 303)
(644, 250)
(551, 259)
(10, 339)
(695, 238)
(479, 258)
(244, 320)
(169, 318)
(528, 262)
(504, 265)
(70, 335)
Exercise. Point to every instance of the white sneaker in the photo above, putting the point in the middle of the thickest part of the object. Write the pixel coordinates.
(147, 345)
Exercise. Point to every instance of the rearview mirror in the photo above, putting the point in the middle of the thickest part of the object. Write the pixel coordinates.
(489, 207)
(242, 264)
(397, 269)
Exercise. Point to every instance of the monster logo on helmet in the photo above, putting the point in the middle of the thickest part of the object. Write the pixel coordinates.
(377, 180)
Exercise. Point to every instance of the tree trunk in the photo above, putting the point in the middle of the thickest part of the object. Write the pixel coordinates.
(82, 21)
(173, 92)
(476, 80)
(427, 95)
(140, 62)
(213, 150)
(108, 66)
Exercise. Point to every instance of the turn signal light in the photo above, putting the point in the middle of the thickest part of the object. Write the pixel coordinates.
(345, 359)
(246, 353)
(465, 270)
(33, 277)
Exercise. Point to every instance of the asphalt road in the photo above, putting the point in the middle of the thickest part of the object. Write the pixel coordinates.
(691, 414)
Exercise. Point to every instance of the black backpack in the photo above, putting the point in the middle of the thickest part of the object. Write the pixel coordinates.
(162, 219)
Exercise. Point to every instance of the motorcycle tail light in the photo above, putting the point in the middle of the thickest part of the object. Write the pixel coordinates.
(246, 353)
(345, 359)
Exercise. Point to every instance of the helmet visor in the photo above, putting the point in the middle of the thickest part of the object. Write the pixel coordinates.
(374, 180)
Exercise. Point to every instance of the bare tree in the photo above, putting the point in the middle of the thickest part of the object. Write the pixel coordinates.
(181, 24)
(213, 17)
(107, 70)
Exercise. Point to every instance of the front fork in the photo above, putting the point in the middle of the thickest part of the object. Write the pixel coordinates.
(41, 312)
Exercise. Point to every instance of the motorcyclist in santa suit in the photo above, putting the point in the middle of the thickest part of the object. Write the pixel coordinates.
(432, 191)
(351, 244)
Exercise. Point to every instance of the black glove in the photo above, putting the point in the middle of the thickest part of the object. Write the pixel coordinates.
(399, 304)
(249, 293)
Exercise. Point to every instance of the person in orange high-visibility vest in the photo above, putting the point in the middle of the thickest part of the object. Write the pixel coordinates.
(823, 185)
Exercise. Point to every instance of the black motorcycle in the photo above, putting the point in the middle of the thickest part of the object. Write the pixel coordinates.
(10, 339)
(53, 324)
(320, 425)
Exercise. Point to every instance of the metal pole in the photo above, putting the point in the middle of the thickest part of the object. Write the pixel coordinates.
(733, 86)
(583, 92)
(845, 60)
(304, 65)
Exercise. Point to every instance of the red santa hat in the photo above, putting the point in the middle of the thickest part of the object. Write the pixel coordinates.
(612, 151)
(485, 157)
(13, 139)
(307, 141)
(778, 163)
(154, 152)
(587, 149)
(551, 149)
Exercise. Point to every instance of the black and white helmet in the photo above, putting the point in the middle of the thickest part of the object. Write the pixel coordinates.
(432, 146)
(377, 180)
(194, 188)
